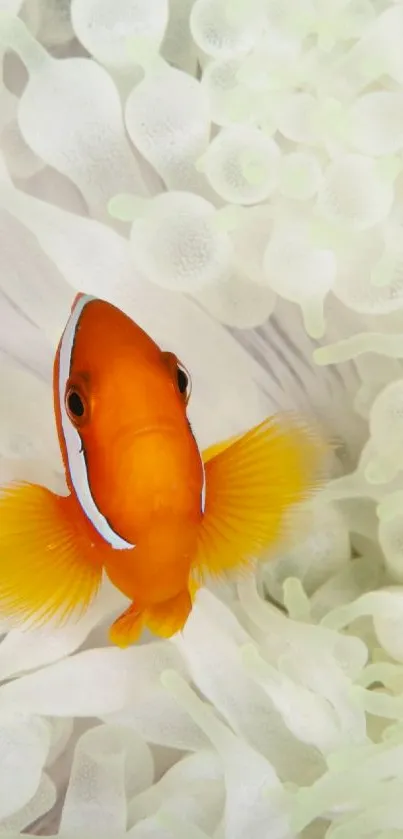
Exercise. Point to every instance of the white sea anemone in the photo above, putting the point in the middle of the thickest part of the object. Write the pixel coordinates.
(228, 172)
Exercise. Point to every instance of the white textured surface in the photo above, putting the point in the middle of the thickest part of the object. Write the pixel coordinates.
(229, 172)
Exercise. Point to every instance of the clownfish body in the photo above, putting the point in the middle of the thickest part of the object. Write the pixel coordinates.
(144, 505)
(129, 454)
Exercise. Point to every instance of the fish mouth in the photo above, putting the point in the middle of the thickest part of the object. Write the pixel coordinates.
(147, 430)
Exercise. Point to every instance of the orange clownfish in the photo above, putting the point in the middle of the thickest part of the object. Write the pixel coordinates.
(144, 505)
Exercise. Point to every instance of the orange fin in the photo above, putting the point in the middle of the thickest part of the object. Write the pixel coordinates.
(127, 628)
(165, 619)
(251, 486)
(217, 448)
(49, 565)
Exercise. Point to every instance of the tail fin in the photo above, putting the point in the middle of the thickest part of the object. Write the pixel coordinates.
(251, 487)
(50, 566)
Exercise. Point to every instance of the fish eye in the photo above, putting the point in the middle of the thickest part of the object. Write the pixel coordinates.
(179, 375)
(75, 405)
(183, 381)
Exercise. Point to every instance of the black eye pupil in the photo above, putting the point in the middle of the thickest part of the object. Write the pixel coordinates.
(183, 380)
(75, 404)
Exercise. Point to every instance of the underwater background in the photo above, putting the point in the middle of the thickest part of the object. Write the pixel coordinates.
(230, 174)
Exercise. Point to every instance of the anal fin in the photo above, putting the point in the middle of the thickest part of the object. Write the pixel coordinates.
(168, 618)
(127, 628)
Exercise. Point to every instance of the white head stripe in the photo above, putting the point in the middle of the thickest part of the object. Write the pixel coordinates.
(72, 439)
(203, 495)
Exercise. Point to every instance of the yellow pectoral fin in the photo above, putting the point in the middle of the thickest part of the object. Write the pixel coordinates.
(217, 448)
(251, 486)
(49, 565)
